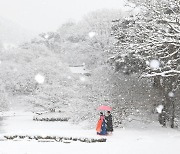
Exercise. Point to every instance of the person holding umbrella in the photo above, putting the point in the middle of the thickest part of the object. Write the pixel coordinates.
(109, 124)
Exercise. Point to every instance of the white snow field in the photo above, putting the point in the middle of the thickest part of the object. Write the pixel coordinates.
(151, 140)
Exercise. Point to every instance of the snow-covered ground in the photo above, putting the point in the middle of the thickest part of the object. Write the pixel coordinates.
(152, 140)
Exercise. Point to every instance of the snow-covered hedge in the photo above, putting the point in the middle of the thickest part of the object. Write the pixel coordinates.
(53, 139)
(50, 119)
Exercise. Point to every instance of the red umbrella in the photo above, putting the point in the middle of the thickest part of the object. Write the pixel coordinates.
(103, 107)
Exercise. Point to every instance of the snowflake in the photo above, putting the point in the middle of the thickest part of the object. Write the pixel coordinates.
(171, 94)
(154, 64)
(83, 79)
(147, 62)
(91, 34)
(159, 108)
(39, 78)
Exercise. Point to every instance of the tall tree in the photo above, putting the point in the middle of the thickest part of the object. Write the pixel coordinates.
(148, 43)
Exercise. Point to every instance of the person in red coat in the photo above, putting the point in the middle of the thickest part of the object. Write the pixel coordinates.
(101, 125)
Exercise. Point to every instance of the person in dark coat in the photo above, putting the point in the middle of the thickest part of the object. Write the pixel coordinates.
(109, 124)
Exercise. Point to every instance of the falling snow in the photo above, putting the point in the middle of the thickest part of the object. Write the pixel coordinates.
(39, 78)
(154, 64)
(171, 94)
(159, 108)
(91, 34)
(73, 63)
(83, 79)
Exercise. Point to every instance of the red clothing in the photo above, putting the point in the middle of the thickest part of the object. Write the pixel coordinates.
(99, 124)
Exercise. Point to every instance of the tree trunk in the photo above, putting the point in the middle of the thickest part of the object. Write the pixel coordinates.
(169, 106)
(169, 110)
(173, 114)
(157, 83)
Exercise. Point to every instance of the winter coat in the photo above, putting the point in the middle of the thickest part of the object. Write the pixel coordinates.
(109, 124)
(101, 126)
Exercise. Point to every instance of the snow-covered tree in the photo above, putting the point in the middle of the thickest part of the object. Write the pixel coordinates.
(148, 43)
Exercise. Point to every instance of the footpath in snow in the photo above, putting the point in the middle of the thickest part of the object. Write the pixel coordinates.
(154, 140)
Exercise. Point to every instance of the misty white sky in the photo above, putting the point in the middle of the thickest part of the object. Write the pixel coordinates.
(47, 15)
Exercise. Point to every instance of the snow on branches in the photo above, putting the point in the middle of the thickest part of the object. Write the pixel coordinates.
(148, 43)
(154, 33)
